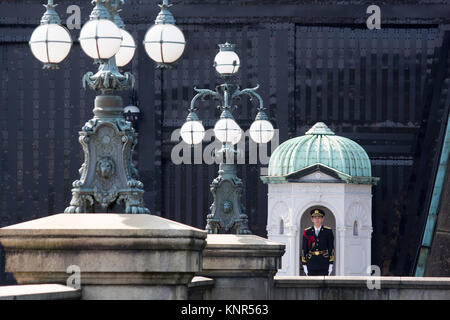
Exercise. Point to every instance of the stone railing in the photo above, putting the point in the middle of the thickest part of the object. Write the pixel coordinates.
(149, 257)
(361, 288)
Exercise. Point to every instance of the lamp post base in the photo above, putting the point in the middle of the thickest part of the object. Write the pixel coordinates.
(108, 175)
(227, 210)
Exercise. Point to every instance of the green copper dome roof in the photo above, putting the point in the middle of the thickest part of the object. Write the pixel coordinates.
(320, 145)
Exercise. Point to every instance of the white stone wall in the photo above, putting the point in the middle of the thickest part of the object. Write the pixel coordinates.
(351, 206)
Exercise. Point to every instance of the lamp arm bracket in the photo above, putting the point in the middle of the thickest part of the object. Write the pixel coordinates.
(251, 92)
(203, 93)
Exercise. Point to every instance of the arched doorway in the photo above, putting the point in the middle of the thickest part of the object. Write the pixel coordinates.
(306, 222)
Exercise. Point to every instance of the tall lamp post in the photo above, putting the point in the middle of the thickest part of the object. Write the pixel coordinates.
(108, 176)
(227, 211)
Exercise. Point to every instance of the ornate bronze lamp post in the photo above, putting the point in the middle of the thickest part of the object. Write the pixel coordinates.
(108, 175)
(227, 211)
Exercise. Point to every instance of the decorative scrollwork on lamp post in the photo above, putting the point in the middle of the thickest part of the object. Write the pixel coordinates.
(227, 211)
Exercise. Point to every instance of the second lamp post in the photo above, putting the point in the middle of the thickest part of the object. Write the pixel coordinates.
(227, 211)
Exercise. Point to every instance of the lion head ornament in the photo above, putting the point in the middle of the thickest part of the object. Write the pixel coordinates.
(227, 206)
(105, 167)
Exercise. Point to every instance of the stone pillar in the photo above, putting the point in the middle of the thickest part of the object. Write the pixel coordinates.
(242, 266)
(295, 250)
(339, 251)
(119, 256)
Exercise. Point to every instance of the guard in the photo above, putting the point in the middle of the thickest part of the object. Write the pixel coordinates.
(318, 247)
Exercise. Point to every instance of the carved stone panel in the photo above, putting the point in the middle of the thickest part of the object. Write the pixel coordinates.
(227, 210)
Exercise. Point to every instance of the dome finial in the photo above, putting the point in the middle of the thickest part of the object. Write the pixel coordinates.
(320, 128)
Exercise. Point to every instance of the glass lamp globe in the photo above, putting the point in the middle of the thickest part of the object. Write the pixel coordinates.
(192, 132)
(226, 61)
(127, 49)
(50, 43)
(261, 131)
(227, 131)
(164, 43)
(100, 39)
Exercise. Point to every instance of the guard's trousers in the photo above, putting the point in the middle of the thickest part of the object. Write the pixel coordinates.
(317, 272)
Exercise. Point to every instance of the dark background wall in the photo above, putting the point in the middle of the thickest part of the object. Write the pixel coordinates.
(314, 60)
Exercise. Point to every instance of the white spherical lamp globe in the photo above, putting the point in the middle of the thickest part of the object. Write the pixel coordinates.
(228, 131)
(127, 49)
(192, 132)
(100, 39)
(261, 131)
(227, 61)
(50, 43)
(164, 43)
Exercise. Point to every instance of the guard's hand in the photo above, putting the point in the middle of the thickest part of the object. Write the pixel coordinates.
(330, 269)
(305, 268)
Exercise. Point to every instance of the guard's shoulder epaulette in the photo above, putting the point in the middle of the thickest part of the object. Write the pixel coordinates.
(325, 227)
(308, 228)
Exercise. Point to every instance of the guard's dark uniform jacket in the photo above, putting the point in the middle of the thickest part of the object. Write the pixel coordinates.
(318, 252)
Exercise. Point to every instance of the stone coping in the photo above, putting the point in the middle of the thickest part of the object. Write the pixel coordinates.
(361, 282)
(202, 282)
(102, 225)
(229, 246)
(39, 292)
(230, 255)
(241, 242)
